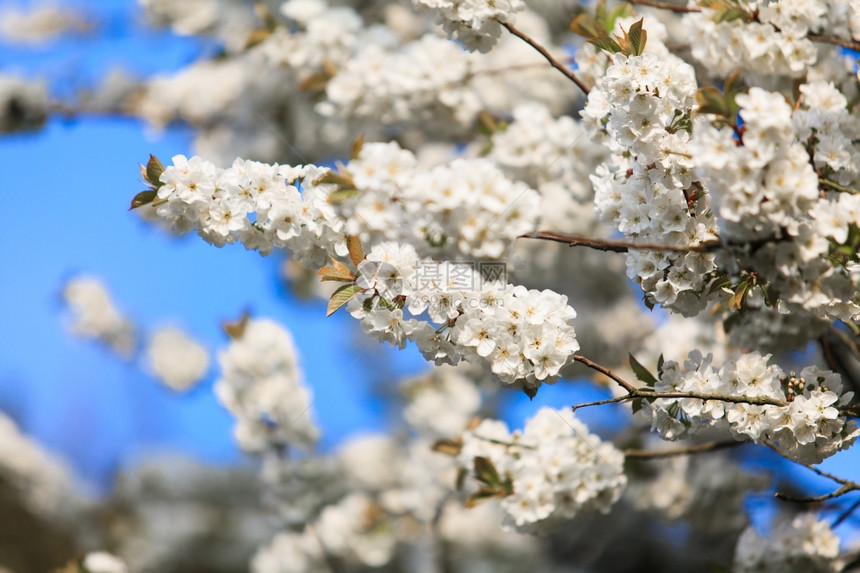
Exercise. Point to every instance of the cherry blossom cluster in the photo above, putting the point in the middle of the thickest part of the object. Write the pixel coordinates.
(176, 359)
(262, 387)
(467, 207)
(464, 208)
(554, 468)
(803, 418)
(801, 545)
(526, 336)
(93, 314)
(474, 23)
(253, 203)
(766, 192)
(418, 83)
(641, 109)
(37, 477)
(773, 43)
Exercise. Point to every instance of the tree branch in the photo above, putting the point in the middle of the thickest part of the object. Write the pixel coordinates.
(615, 246)
(543, 52)
(631, 389)
(699, 448)
(847, 485)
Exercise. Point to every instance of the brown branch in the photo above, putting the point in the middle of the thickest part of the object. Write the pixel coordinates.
(543, 52)
(665, 6)
(614, 246)
(847, 485)
(699, 448)
(851, 45)
(631, 389)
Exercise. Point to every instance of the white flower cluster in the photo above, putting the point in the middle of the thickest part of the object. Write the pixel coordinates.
(40, 23)
(464, 208)
(230, 20)
(766, 191)
(556, 468)
(441, 403)
(467, 207)
(254, 203)
(93, 315)
(642, 109)
(807, 427)
(42, 482)
(526, 336)
(418, 83)
(802, 545)
(475, 23)
(774, 43)
(177, 359)
(261, 385)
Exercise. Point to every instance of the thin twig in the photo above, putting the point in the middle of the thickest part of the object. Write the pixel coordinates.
(851, 45)
(847, 485)
(618, 246)
(543, 52)
(844, 515)
(836, 186)
(699, 448)
(631, 389)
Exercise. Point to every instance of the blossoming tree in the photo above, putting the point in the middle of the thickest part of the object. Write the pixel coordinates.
(518, 188)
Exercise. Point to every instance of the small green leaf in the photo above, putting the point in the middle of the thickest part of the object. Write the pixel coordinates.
(154, 169)
(636, 404)
(341, 296)
(342, 180)
(712, 100)
(620, 11)
(357, 146)
(660, 363)
(641, 372)
(341, 195)
(143, 198)
(337, 271)
(450, 447)
(737, 300)
(480, 496)
(356, 253)
(461, 479)
(485, 471)
(587, 26)
(606, 43)
(637, 37)
(719, 283)
(733, 14)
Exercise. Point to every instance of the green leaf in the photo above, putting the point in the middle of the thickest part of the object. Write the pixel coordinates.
(737, 300)
(660, 363)
(733, 14)
(636, 404)
(341, 195)
(719, 283)
(337, 271)
(154, 169)
(637, 37)
(606, 43)
(712, 100)
(357, 146)
(342, 180)
(620, 11)
(587, 26)
(485, 471)
(450, 447)
(143, 198)
(341, 296)
(641, 372)
(356, 253)
(480, 496)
